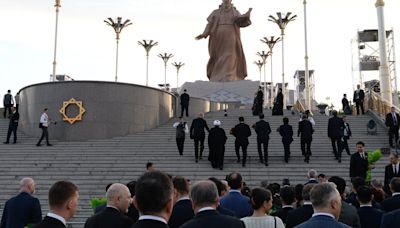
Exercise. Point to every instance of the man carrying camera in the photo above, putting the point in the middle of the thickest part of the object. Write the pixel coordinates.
(44, 124)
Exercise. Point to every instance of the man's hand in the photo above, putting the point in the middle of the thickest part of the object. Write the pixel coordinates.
(201, 36)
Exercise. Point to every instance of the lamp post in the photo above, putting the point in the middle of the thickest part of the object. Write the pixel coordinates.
(117, 26)
(147, 44)
(384, 75)
(264, 55)
(260, 64)
(307, 94)
(57, 5)
(271, 43)
(178, 67)
(165, 57)
(282, 22)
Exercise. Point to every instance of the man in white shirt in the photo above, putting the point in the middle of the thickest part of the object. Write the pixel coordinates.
(391, 170)
(44, 124)
(154, 199)
(63, 202)
(326, 202)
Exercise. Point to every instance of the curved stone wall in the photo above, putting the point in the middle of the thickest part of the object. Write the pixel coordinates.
(112, 109)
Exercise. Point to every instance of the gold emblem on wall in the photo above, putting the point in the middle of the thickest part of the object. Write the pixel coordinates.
(78, 104)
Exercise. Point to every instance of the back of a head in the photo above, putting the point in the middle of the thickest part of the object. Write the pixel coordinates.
(285, 120)
(322, 194)
(274, 188)
(131, 186)
(27, 184)
(339, 182)
(298, 191)
(261, 116)
(287, 195)
(259, 196)
(219, 184)
(181, 185)
(60, 193)
(153, 192)
(357, 182)
(235, 180)
(312, 173)
(364, 194)
(204, 194)
(185, 90)
(307, 191)
(334, 113)
(395, 184)
(241, 119)
(115, 192)
(304, 116)
(149, 165)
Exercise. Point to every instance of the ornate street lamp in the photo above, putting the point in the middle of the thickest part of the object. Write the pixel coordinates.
(260, 64)
(147, 44)
(264, 55)
(282, 22)
(165, 57)
(271, 43)
(57, 5)
(307, 95)
(178, 66)
(117, 26)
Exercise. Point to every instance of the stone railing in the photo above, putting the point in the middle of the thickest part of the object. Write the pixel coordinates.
(377, 104)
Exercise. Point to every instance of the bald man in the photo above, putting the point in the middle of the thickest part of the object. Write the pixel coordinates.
(118, 201)
(23, 209)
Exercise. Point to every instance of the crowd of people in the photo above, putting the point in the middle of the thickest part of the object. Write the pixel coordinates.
(157, 199)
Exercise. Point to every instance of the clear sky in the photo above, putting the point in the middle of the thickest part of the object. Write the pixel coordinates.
(86, 46)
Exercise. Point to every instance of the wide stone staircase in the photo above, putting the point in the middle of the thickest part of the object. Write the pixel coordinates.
(94, 164)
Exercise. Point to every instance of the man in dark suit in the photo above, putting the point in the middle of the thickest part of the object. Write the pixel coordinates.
(263, 130)
(277, 110)
(392, 121)
(241, 132)
(198, 134)
(63, 203)
(7, 103)
(369, 216)
(12, 127)
(345, 105)
(118, 201)
(305, 130)
(303, 213)
(235, 201)
(23, 209)
(183, 210)
(154, 200)
(391, 219)
(346, 135)
(184, 102)
(348, 213)
(358, 98)
(335, 133)
(221, 191)
(286, 131)
(287, 198)
(204, 195)
(393, 203)
(359, 162)
(326, 202)
(391, 170)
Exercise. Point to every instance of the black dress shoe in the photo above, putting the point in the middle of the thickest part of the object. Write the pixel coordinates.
(243, 165)
(49, 144)
(38, 144)
(266, 163)
(5, 142)
(197, 161)
(238, 161)
(340, 160)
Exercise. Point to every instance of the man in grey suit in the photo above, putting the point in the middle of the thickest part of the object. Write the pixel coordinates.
(348, 213)
(326, 202)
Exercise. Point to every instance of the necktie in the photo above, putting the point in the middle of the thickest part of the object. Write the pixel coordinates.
(394, 119)
(395, 169)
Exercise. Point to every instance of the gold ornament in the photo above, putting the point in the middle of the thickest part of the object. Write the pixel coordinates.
(78, 117)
